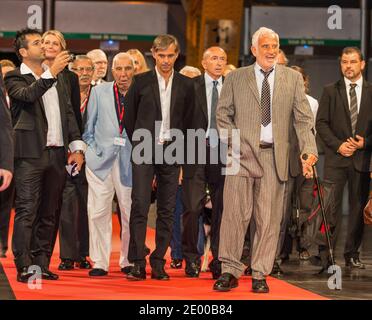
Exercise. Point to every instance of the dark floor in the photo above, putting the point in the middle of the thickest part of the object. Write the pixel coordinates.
(356, 284)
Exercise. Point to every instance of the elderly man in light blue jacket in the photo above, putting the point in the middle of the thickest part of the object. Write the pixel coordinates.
(108, 166)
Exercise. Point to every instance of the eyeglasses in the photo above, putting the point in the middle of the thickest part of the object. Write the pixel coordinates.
(81, 69)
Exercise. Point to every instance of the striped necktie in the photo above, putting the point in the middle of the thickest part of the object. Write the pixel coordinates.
(353, 106)
(265, 99)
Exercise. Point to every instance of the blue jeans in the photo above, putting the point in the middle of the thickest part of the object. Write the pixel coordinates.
(176, 241)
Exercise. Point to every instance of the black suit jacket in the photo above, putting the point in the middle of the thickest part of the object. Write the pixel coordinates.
(199, 120)
(28, 113)
(143, 106)
(6, 136)
(333, 125)
(73, 88)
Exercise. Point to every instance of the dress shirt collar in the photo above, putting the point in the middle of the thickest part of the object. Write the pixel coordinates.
(209, 80)
(358, 83)
(160, 77)
(25, 69)
(258, 69)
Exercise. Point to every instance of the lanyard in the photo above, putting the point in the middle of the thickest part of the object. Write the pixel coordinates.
(120, 108)
(85, 102)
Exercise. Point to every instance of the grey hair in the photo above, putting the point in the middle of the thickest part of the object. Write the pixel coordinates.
(95, 53)
(80, 57)
(122, 55)
(186, 69)
(263, 31)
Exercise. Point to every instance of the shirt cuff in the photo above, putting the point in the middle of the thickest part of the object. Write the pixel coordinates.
(77, 145)
(47, 75)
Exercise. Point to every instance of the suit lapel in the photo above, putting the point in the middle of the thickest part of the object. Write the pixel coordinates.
(173, 95)
(202, 95)
(342, 91)
(112, 105)
(278, 87)
(252, 84)
(155, 89)
(364, 105)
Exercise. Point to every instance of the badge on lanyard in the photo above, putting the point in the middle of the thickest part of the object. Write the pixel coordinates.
(118, 141)
(120, 108)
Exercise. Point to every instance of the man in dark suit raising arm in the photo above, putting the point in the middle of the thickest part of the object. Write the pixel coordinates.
(45, 130)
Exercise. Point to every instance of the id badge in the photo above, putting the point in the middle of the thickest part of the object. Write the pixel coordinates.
(119, 141)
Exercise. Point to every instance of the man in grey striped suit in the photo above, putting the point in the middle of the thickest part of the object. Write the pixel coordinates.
(264, 101)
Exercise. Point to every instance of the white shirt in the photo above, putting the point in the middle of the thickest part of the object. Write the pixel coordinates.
(52, 112)
(165, 102)
(51, 106)
(266, 132)
(358, 90)
(314, 105)
(209, 89)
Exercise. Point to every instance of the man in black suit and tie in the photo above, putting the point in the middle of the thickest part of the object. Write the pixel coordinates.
(45, 128)
(344, 123)
(197, 177)
(166, 98)
(6, 141)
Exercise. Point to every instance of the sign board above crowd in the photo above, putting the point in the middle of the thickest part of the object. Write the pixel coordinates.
(97, 20)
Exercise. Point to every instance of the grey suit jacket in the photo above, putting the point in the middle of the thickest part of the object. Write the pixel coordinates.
(239, 108)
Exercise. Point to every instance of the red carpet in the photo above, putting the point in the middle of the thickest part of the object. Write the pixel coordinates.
(77, 285)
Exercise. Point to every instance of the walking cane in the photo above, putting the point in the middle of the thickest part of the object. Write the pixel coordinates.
(321, 202)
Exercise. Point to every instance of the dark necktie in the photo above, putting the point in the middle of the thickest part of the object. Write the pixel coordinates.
(213, 124)
(353, 106)
(265, 99)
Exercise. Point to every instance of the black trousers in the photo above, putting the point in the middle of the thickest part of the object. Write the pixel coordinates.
(194, 195)
(39, 184)
(358, 184)
(6, 204)
(73, 221)
(167, 184)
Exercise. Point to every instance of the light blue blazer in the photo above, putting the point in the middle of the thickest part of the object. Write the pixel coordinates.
(101, 129)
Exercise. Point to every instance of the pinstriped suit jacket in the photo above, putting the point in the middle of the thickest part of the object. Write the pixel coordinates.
(239, 108)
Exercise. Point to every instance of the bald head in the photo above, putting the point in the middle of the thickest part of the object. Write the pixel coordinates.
(214, 62)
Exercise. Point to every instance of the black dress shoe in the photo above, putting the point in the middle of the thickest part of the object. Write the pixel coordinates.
(354, 263)
(159, 274)
(96, 272)
(276, 271)
(176, 264)
(226, 282)
(46, 274)
(23, 275)
(66, 264)
(126, 270)
(137, 273)
(83, 264)
(259, 286)
(248, 271)
(192, 270)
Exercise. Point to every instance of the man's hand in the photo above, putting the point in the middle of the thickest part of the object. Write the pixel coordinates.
(357, 143)
(346, 149)
(78, 158)
(60, 62)
(7, 179)
(307, 165)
